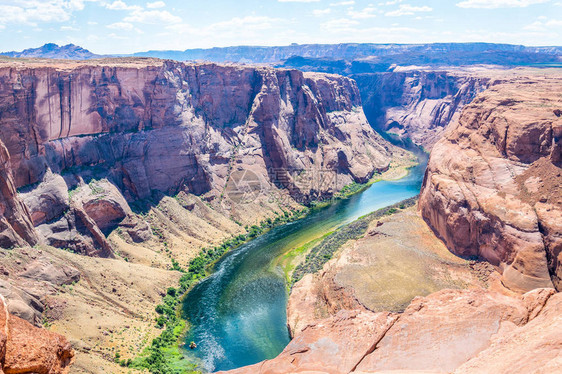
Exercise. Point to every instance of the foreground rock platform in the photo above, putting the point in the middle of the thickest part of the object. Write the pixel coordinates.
(450, 331)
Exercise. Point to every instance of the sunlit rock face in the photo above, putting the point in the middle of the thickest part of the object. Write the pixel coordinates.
(493, 187)
(151, 127)
(450, 331)
(25, 348)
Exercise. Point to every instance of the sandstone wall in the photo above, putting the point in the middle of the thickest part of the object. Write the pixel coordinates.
(493, 186)
(28, 349)
(418, 104)
(151, 126)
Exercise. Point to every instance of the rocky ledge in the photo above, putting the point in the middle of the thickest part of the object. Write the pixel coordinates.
(25, 348)
(493, 186)
(451, 331)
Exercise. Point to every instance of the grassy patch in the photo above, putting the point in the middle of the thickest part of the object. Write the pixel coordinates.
(288, 260)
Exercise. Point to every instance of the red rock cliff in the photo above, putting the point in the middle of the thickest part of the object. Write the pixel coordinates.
(152, 125)
(493, 186)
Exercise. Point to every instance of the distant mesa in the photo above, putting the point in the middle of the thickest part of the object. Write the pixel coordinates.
(345, 58)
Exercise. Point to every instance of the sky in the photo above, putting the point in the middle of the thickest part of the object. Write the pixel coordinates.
(126, 26)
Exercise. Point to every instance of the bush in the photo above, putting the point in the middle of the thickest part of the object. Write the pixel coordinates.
(161, 321)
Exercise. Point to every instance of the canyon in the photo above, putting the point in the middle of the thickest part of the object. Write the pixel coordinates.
(116, 172)
(165, 127)
(491, 194)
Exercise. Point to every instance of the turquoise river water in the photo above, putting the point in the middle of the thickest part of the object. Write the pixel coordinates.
(238, 314)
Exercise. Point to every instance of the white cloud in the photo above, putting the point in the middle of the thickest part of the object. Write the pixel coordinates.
(362, 14)
(407, 10)
(256, 30)
(343, 3)
(121, 26)
(68, 28)
(298, 1)
(118, 36)
(321, 12)
(252, 26)
(121, 5)
(494, 4)
(33, 11)
(152, 16)
(156, 5)
(339, 24)
(248, 23)
(543, 24)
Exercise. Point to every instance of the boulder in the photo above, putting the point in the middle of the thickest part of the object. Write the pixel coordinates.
(25, 348)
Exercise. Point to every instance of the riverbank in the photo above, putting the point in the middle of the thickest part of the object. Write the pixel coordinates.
(400, 168)
(390, 258)
(381, 262)
(249, 290)
(375, 307)
(165, 352)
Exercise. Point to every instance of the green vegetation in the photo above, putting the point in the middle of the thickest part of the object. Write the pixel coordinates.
(288, 260)
(163, 356)
(330, 244)
(96, 189)
(346, 192)
(72, 192)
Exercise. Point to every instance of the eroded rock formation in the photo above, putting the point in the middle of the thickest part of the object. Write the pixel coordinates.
(493, 186)
(152, 127)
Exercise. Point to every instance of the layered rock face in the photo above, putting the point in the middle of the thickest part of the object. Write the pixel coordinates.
(28, 349)
(418, 104)
(150, 127)
(493, 186)
(16, 227)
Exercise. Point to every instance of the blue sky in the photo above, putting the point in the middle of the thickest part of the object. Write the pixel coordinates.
(124, 26)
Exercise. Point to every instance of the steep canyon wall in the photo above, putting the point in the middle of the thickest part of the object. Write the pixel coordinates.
(493, 184)
(155, 127)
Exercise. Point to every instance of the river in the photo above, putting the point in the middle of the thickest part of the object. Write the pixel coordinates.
(238, 314)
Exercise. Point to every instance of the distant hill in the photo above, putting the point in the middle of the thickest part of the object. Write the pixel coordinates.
(384, 54)
(51, 50)
(345, 58)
